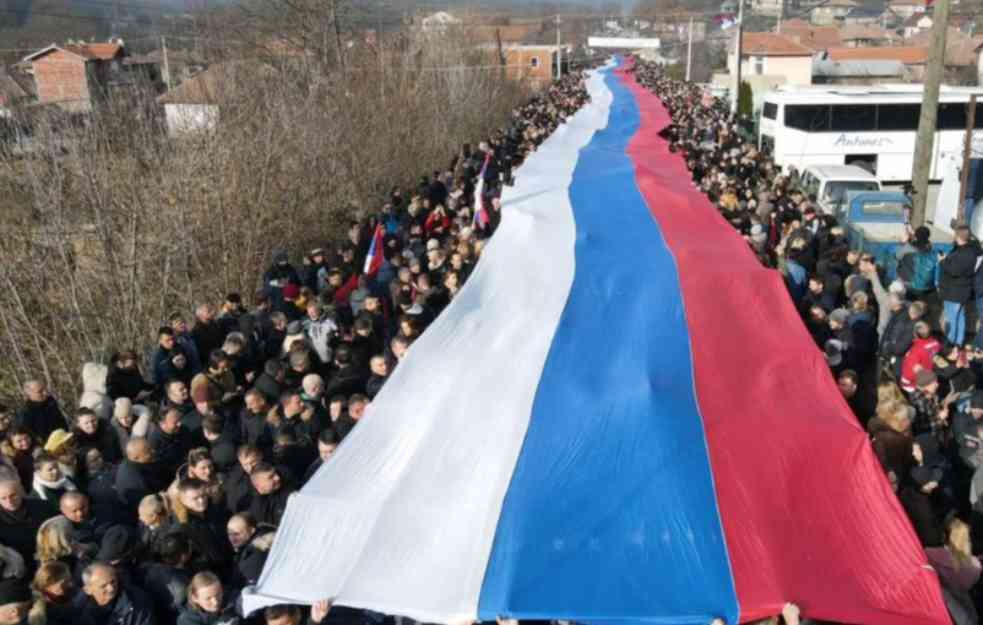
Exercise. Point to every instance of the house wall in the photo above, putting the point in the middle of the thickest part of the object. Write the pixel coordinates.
(520, 65)
(62, 78)
(185, 118)
(795, 70)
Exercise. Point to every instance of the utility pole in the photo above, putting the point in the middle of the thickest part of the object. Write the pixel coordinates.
(922, 163)
(167, 66)
(737, 64)
(781, 15)
(559, 51)
(967, 156)
(689, 50)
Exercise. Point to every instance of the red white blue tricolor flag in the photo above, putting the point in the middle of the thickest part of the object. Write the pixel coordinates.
(373, 260)
(641, 431)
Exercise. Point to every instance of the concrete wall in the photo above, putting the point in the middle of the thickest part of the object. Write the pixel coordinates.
(186, 118)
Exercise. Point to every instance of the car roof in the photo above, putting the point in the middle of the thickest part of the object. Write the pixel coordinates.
(849, 172)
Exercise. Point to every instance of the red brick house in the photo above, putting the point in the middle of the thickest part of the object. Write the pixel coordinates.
(73, 75)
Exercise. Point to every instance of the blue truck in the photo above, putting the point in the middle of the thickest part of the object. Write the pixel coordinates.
(875, 222)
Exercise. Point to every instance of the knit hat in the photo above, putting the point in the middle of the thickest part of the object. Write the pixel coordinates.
(291, 291)
(295, 327)
(433, 244)
(56, 440)
(925, 377)
(898, 288)
(14, 591)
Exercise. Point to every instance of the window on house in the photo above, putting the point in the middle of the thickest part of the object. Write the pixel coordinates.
(759, 65)
(534, 62)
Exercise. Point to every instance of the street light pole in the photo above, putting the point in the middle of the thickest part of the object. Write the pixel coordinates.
(737, 63)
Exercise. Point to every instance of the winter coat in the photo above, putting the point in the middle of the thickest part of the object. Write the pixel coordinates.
(921, 353)
(893, 448)
(320, 334)
(131, 607)
(194, 616)
(208, 536)
(104, 439)
(898, 334)
(167, 586)
(170, 450)
(269, 509)
(238, 490)
(136, 481)
(52, 493)
(42, 418)
(957, 273)
(126, 383)
(250, 558)
(94, 394)
(19, 530)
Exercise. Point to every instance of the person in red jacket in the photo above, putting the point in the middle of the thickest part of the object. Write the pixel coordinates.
(919, 356)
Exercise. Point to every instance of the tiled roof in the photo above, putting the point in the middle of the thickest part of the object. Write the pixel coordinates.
(814, 37)
(853, 32)
(909, 55)
(772, 44)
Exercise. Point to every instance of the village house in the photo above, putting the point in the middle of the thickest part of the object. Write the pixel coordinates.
(832, 12)
(76, 75)
(906, 8)
(816, 38)
(771, 54)
(863, 16)
(913, 58)
(866, 36)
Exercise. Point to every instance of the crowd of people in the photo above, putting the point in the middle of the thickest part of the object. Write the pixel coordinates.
(156, 501)
(899, 350)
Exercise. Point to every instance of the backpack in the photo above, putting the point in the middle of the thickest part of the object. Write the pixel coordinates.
(917, 270)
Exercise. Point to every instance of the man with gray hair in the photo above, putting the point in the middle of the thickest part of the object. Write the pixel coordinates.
(40, 412)
(105, 599)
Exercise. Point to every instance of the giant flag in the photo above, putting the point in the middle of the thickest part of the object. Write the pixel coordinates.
(619, 419)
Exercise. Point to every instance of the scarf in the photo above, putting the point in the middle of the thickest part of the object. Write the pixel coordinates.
(42, 486)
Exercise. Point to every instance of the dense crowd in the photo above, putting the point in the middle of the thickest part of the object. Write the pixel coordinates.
(156, 501)
(898, 350)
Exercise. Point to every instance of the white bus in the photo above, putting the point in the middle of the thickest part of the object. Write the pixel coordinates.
(870, 126)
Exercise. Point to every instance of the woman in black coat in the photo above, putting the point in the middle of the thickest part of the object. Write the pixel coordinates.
(125, 379)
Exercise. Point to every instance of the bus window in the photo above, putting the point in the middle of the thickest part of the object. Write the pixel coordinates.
(898, 116)
(810, 185)
(951, 116)
(769, 110)
(807, 117)
(837, 190)
(861, 117)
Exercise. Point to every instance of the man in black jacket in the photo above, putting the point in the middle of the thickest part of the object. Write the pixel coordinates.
(40, 412)
(270, 501)
(238, 487)
(20, 519)
(105, 600)
(138, 476)
(957, 271)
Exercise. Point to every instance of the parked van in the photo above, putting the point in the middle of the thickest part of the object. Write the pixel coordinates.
(829, 185)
